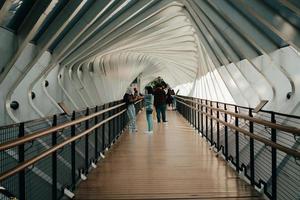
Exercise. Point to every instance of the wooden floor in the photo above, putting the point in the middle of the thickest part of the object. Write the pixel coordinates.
(172, 163)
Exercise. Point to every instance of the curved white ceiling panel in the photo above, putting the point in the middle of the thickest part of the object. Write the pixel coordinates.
(235, 51)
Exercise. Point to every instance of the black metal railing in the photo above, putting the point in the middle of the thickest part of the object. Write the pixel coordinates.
(263, 147)
(46, 158)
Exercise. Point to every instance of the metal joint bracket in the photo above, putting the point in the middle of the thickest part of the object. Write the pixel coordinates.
(102, 155)
(68, 193)
(82, 175)
(261, 187)
(93, 164)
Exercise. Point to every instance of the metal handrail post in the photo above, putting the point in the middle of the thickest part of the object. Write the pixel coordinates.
(87, 143)
(21, 152)
(54, 161)
(226, 133)
(73, 169)
(252, 172)
(237, 151)
(274, 159)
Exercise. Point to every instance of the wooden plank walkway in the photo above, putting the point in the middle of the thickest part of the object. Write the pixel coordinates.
(172, 163)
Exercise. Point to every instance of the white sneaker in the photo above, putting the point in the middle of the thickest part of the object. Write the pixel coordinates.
(148, 132)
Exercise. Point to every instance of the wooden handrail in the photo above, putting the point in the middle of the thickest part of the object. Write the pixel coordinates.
(287, 150)
(54, 148)
(49, 151)
(38, 134)
(244, 107)
(284, 128)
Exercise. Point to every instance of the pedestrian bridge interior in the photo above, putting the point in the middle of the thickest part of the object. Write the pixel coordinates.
(65, 66)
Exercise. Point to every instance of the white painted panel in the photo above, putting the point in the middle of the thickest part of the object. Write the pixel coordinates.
(7, 46)
(21, 93)
(243, 85)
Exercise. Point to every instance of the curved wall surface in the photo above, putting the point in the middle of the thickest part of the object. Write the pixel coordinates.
(86, 53)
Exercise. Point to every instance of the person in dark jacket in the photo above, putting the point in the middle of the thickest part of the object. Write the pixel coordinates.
(169, 97)
(160, 104)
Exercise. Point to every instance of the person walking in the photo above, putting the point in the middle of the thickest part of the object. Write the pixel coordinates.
(169, 97)
(148, 101)
(160, 104)
(129, 99)
(173, 100)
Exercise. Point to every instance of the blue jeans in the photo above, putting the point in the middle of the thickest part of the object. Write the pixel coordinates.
(161, 110)
(132, 118)
(149, 121)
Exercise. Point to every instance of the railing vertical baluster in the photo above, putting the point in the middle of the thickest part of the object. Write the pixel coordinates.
(189, 112)
(184, 110)
(123, 120)
(226, 133)
(195, 116)
(218, 128)
(21, 152)
(206, 119)
(114, 124)
(237, 153)
(192, 117)
(192, 112)
(201, 116)
(274, 159)
(251, 150)
(109, 127)
(73, 167)
(211, 126)
(96, 135)
(103, 130)
(118, 122)
(87, 143)
(198, 115)
(54, 161)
